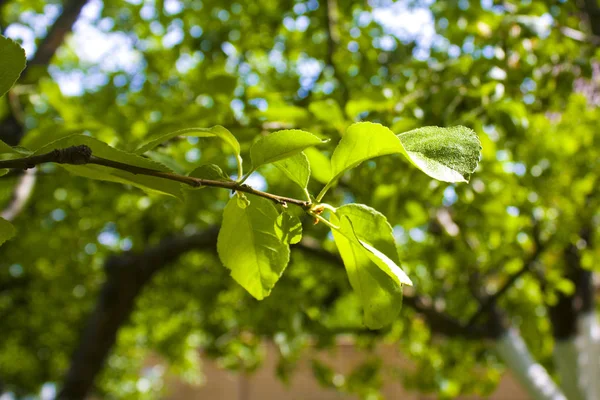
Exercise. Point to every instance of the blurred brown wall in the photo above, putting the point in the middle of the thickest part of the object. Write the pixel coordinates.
(264, 385)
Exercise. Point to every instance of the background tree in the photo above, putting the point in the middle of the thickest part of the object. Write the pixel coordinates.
(505, 261)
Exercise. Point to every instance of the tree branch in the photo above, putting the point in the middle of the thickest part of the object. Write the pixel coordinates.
(57, 33)
(11, 131)
(82, 154)
(487, 303)
(126, 276)
(333, 40)
(437, 321)
(21, 194)
(590, 7)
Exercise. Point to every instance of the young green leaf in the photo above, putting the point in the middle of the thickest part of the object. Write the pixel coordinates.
(248, 245)
(296, 168)
(446, 154)
(101, 149)
(281, 144)
(3, 171)
(12, 63)
(381, 260)
(380, 296)
(320, 165)
(371, 230)
(7, 230)
(209, 171)
(362, 141)
(288, 228)
(217, 131)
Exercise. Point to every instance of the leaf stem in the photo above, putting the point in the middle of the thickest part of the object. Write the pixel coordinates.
(82, 154)
(242, 179)
(239, 165)
(307, 194)
(324, 190)
(324, 220)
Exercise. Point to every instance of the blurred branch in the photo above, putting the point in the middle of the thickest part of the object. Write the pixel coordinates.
(333, 42)
(590, 7)
(126, 275)
(437, 321)
(11, 131)
(57, 33)
(488, 303)
(21, 194)
(563, 315)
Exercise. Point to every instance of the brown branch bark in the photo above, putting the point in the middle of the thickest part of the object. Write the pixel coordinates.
(82, 154)
(592, 10)
(11, 131)
(126, 276)
(438, 321)
(563, 315)
(57, 33)
(333, 41)
(21, 194)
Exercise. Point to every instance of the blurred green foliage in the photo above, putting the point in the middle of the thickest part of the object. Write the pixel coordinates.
(507, 70)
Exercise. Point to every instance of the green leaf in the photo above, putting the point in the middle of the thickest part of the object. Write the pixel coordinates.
(209, 171)
(320, 165)
(281, 144)
(12, 63)
(7, 230)
(3, 172)
(215, 131)
(248, 245)
(18, 150)
(329, 112)
(383, 262)
(372, 230)
(288, 228)
(446, 154)
(380, 296)
(101, 149)
(296, 168)
(362, 141)
(367, 247)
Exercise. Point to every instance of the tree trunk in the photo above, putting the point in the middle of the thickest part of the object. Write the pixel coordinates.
(127, 275)
(534, 378)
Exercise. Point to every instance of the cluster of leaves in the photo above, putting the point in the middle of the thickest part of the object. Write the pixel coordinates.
(255, 235)
(504, 69)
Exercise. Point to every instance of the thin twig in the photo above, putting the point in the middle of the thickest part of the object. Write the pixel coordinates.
(79, 155)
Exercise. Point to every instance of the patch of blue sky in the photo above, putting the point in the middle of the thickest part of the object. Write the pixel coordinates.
(407, 23)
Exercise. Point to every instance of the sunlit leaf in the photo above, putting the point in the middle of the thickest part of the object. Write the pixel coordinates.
(374, 233)
(281, 144)
(320, 165)
(288, 228)
(379, 291)
(296, 168)
(248, 245)
(446, 154)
